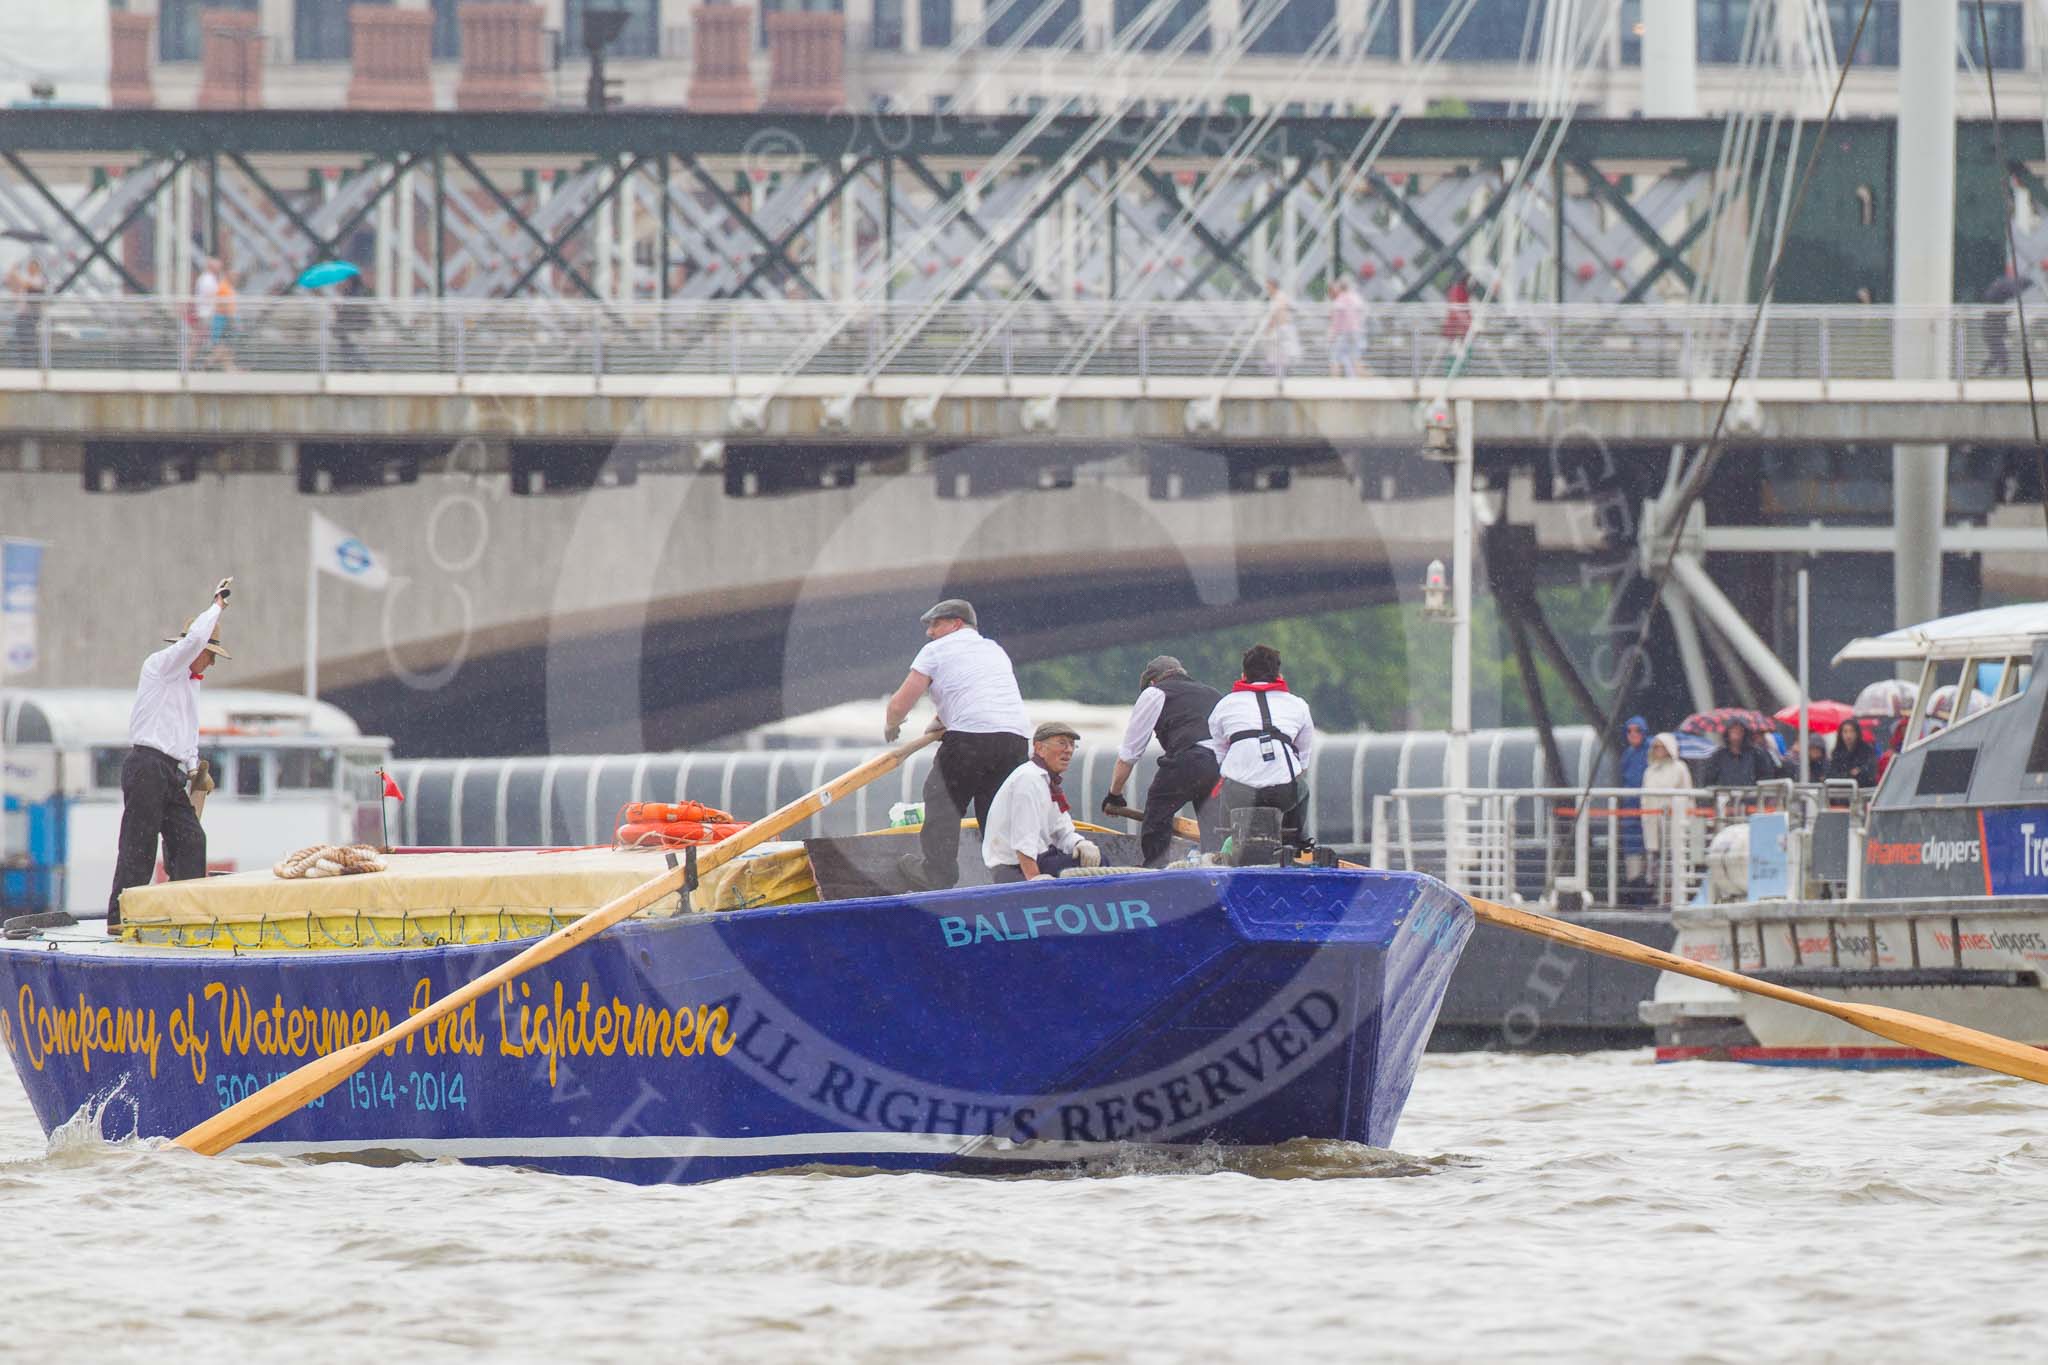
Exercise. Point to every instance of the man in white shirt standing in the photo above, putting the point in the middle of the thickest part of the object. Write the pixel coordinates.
(163, 727)
(1029, 829)
(1267, 735)
(974, 688)
(1175, 709)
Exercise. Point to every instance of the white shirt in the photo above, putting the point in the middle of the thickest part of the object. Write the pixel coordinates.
(206, 295)
(1266, 763)
(1023, 819)
(1144, 720)
(973, 685)
(166, 712)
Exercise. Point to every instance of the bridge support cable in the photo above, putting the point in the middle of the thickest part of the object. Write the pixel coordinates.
(2012, 252)
(1188, 218)
(1125, 49)
(1694, 484)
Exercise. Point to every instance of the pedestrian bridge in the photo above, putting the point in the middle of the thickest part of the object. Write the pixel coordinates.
(868, 380)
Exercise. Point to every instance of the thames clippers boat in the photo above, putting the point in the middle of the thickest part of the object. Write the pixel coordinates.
(792, 1008)
(1947, 873)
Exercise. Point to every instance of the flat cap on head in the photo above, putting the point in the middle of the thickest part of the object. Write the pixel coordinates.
(1162, 666)
(956, 608)
(1053, 729)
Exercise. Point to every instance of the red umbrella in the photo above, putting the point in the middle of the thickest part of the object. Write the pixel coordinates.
(1822, 717)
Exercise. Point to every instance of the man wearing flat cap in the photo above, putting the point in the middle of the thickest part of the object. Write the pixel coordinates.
(163, 730)
(1174, 709)
(974, 688)
(1029, 830)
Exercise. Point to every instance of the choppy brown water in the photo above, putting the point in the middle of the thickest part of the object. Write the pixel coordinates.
(1543, 1207)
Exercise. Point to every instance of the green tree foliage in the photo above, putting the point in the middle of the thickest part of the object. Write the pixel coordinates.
(1381, 668)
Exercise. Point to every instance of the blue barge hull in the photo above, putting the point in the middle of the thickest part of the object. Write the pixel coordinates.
(987, 1028)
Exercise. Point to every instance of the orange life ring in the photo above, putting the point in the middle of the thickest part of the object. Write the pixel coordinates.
(676, 833)
(668, 812)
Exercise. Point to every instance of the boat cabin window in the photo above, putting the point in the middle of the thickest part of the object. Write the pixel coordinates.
(1946, 772)
(305, 769)
(31, 726)
(359, 774)
(106, 767)
(249, 774)
(2037, 757)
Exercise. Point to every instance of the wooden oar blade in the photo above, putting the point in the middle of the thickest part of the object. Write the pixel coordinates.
(1955, 1041)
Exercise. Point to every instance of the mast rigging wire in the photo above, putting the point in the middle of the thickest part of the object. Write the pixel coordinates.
(2012, 256)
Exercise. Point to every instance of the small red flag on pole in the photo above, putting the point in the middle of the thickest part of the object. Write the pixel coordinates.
(390, 787)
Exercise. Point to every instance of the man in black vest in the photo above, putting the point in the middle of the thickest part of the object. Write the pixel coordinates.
(1173, 708)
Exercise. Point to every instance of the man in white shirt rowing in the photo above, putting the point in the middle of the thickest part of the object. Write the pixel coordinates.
(1175, 709)
(163, 728)
(974, 688)
(1266, 735)
(1029, 829)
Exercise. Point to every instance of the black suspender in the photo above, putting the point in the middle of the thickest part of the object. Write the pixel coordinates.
(1268, 731)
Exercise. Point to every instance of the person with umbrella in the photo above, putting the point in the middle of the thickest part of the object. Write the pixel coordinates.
(1738, 762)
(1854, 758)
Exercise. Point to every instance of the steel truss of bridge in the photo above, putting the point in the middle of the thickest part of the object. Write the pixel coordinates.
(937, 207)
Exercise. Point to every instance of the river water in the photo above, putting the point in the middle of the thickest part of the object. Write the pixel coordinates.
(1598, 1207)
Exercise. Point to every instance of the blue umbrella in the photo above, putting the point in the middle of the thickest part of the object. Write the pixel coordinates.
(327, 272)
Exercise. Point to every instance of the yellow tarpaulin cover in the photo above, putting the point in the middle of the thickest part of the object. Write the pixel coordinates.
(435, 898)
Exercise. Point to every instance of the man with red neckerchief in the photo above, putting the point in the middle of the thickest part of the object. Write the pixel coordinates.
(163, 728)
(1266, 735)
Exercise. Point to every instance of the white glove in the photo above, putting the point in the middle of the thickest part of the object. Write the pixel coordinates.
(890, 733)
(1088, 854)
(1043, 877)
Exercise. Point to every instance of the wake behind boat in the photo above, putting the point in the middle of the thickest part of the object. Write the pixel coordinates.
(982, 1028)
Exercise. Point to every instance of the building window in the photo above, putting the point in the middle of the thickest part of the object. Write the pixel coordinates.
(1184, 15)
(1007, 18)
(177, 26)
(641, 37)
(1297, 26)
(447, 31)
(886, 34)
(1880, 46)
(1504, 31)
(320, 30)
(2007, 53)
(934, 23)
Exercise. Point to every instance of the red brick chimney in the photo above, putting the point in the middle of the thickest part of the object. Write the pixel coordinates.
(392, 52)
(721, 53)
(500, 56)
(231, 60)
(806, 62)
(128, 60)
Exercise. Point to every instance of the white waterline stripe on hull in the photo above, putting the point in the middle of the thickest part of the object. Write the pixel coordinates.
(645, 1147)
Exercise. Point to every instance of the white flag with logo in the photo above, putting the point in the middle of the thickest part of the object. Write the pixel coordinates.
(337, 552)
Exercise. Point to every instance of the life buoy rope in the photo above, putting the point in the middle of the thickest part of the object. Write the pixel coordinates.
(675, 833)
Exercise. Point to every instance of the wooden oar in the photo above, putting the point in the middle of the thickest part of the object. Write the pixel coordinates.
(1943, 1039)
(289, 1093)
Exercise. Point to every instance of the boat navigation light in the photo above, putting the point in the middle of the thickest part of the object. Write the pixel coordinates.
(1436, 591)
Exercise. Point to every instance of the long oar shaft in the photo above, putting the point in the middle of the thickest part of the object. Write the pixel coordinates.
(1938, 1036)
(322, 1074)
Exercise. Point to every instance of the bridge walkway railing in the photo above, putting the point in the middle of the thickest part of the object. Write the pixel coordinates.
(43, 342)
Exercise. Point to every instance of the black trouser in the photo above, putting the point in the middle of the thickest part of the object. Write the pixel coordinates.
(1290, 799)
(1185, 778)
(967, 772)
(1051, 863)
(154, 805)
